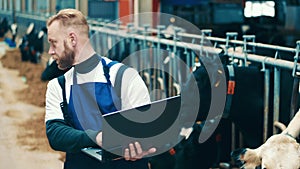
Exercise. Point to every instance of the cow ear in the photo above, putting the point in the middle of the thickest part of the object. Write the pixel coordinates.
(246, 158)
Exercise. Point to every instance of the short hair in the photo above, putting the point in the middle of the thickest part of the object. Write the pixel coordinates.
(70, 18)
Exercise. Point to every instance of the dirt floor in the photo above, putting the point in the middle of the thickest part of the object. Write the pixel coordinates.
(22, 130)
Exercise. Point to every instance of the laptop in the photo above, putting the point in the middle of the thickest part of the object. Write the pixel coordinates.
(148, 124)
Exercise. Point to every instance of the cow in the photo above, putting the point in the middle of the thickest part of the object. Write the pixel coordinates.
(247, 99)
(280, 151)
(246, 107)
(26, 42)
(32, 45)
(37, 45)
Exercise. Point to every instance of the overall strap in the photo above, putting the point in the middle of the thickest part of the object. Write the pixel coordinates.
(117, 86)
(62, 81)
(106, 68)
(118, 81)
(64, 105)
(119, 75)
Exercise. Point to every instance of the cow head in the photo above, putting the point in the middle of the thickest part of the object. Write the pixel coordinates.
(280, 151)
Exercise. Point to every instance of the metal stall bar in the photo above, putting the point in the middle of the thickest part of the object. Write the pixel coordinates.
(266, 100)
(160, 69)
(147, 63)
(174, 65)
(276, 90)
(238, 42)
(266, 60)
(266, 103)
(245, 50)
(295, 74)
(234, 132)
(251, 38)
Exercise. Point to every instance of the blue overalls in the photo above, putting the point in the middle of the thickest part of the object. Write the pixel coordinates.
(86, 104)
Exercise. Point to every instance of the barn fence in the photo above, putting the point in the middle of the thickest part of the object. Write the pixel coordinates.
(272, 58)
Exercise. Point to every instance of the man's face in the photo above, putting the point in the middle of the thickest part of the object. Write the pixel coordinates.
(59, 48)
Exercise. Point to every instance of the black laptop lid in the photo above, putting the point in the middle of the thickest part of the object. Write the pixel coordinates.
(150, 125)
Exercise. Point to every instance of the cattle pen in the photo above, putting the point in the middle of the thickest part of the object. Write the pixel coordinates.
(185, 42)
(155, 49)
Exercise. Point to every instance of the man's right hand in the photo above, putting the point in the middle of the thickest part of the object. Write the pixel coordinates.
(133, 152)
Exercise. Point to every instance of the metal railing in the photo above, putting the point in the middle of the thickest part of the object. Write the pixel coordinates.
(152, 38)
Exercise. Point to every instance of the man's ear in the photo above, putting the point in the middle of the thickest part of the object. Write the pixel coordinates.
(246, 158)
(73, 38)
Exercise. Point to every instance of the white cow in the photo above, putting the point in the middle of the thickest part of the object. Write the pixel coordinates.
(280, 151)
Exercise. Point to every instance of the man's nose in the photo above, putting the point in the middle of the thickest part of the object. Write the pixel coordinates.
(51, 51)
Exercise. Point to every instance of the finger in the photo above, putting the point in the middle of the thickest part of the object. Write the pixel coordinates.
(152, 150)
(99, 139)
(132, 150)
(126, 154)
(138, 148)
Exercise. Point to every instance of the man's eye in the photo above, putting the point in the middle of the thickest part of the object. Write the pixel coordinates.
(53, 44)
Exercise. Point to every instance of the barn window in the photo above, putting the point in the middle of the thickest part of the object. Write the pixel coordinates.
(259, 8)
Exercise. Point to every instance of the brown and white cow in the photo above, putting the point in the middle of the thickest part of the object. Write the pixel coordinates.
(280, 151)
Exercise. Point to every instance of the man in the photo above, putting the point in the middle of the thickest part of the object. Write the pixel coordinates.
(88, 92)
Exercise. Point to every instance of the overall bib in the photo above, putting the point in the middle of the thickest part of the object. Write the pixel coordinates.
(87, 103)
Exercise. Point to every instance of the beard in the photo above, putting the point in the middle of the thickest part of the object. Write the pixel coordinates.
(66, 60)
